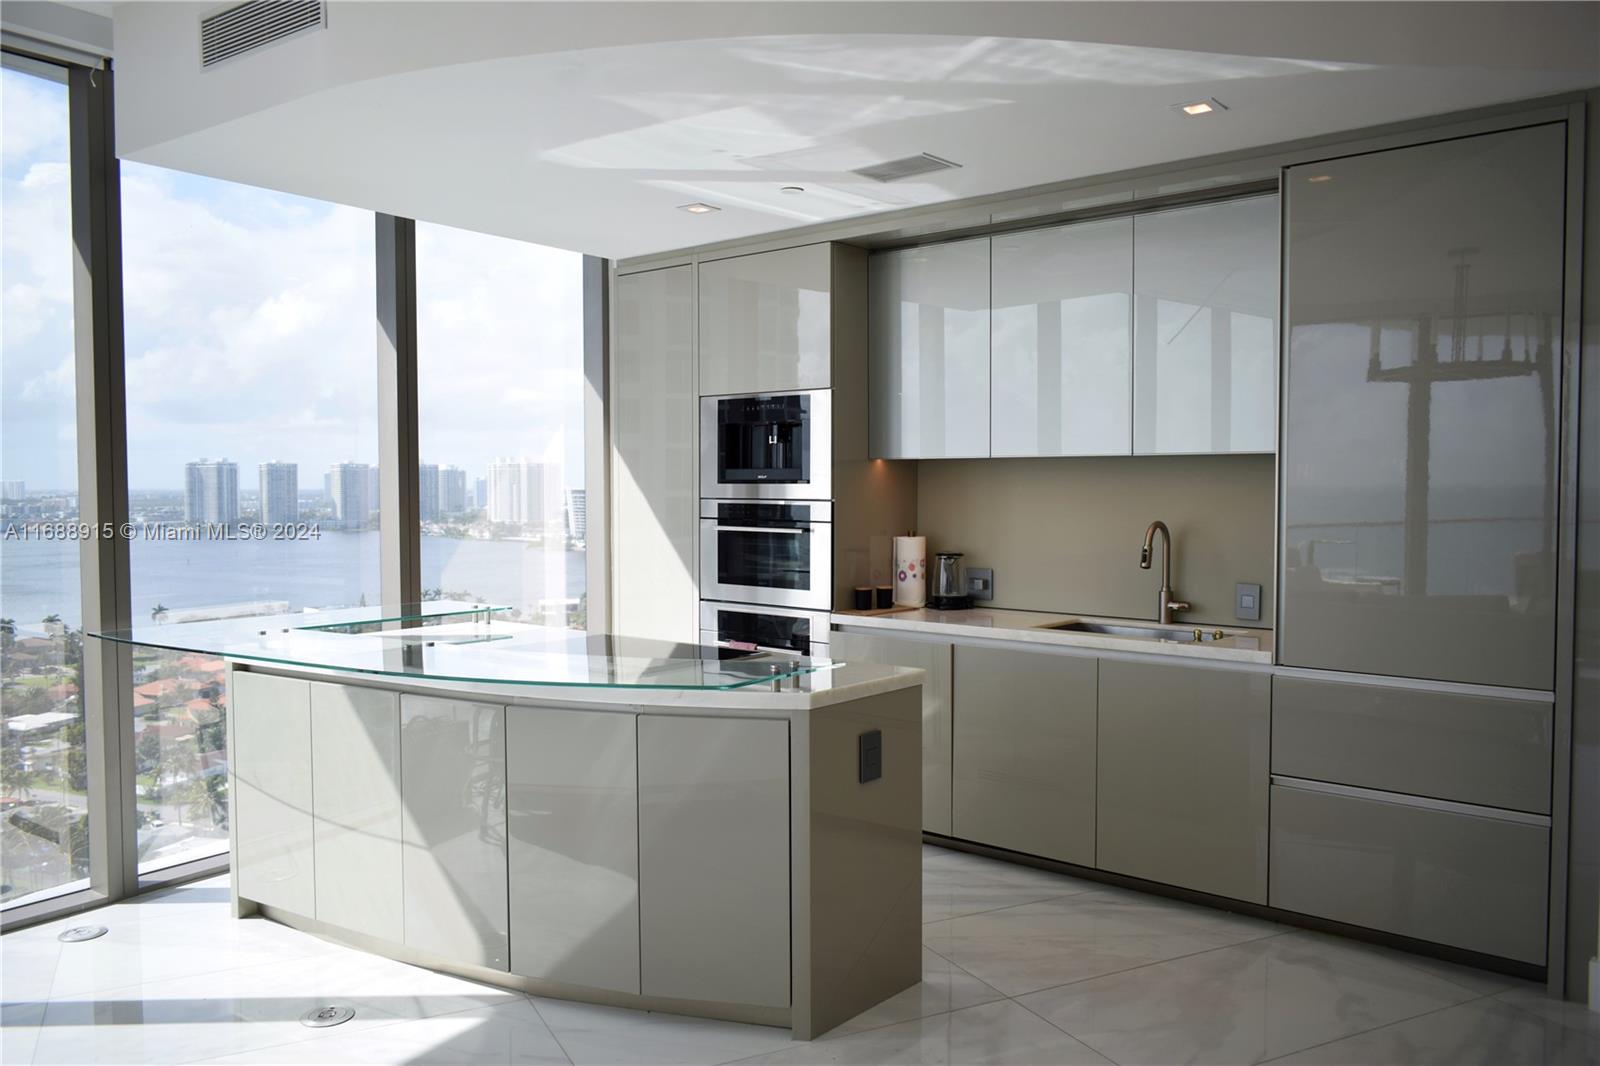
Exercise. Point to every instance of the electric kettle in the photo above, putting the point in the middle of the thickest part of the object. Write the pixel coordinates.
(949, 592)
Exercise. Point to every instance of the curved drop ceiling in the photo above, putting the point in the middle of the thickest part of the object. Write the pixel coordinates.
(519, 119)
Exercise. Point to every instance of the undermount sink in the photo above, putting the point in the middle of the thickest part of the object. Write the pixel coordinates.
(1189, 636)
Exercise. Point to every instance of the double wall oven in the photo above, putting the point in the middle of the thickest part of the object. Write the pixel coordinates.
(766, 521)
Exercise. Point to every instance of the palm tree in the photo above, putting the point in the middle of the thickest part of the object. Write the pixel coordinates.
(8, 633)
(158, 612)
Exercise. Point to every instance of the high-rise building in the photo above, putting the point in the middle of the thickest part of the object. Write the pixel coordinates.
(210, 492)
(480, 493)
(578, 514)
(452, 490)
(428, 492)
(13, 490)
(525, 493)
(374, 487)
(280, 493)
(350, 488)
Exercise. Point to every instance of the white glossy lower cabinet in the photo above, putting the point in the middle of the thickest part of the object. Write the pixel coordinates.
(270, 722)
(573, 846)
(714, 859)
(1024, 764)
(1469, 880)
(453, 766)
(355, 773)
(1183, 772)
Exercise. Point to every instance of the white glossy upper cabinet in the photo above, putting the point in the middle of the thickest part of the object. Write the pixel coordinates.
(764, 321)
(1205, 328)
(930, 351)
(654, 496)
(1062, 332)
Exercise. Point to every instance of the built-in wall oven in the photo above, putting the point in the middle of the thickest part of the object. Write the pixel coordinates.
(767, 446)
(767, 552)
(777, 629)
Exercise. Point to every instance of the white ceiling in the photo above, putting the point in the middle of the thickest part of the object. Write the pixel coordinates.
(477, 116)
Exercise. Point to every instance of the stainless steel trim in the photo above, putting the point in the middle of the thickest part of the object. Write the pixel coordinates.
(817, 510)
(1456, 688)
(1402, 799)
(796, 530)
(820, 444)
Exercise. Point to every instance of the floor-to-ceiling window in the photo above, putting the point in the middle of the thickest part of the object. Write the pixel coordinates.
(250, 359)
(500, 423)
(43, 776)
(252, 453)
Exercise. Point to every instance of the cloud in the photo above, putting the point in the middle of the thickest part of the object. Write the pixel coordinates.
(250, 327)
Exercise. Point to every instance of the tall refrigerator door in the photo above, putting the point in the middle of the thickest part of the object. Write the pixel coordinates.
(1423, 302)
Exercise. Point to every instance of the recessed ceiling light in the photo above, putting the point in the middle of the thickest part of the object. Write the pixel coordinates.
(1196, 108)
(698, 209)
(792, 189)
(1320, 177)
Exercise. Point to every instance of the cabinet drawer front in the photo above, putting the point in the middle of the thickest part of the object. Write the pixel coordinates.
(1465, 880)
(1472, 749)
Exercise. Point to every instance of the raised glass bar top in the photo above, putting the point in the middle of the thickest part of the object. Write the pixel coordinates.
(446, 640)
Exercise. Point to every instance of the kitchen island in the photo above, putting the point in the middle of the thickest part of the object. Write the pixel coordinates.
(668, 827)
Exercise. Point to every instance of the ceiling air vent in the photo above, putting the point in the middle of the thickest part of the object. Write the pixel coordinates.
(242, 28)
(909, 167)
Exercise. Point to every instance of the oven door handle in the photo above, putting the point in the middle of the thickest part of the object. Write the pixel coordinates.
(794, 530)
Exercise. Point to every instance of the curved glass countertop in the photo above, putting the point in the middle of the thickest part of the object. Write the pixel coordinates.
(447, 640)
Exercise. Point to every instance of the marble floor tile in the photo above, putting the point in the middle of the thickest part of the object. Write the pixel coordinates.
(1000, 1032)
(971, 884)
(1129, 976)
(19, 1031)
(1535, 1000)
(616, 1035)
(140, 950)
(944, 987)
(28, 960)
(511, 1032)
(1244, 1003)
(1038, 945)
(1486, 1031)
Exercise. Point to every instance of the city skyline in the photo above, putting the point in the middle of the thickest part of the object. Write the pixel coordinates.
(517, 491)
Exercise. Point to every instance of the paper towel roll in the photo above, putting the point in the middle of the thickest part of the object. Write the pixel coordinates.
(910, 571)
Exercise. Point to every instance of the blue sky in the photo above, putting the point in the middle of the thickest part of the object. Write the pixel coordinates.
(250, 331)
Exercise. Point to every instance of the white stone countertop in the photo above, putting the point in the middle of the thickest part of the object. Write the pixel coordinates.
(1031, 627)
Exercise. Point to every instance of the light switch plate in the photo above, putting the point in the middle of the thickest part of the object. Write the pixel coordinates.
(980, 582)
(1247, 602)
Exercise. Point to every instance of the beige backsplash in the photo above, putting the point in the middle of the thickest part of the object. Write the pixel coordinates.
(1064, 534)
